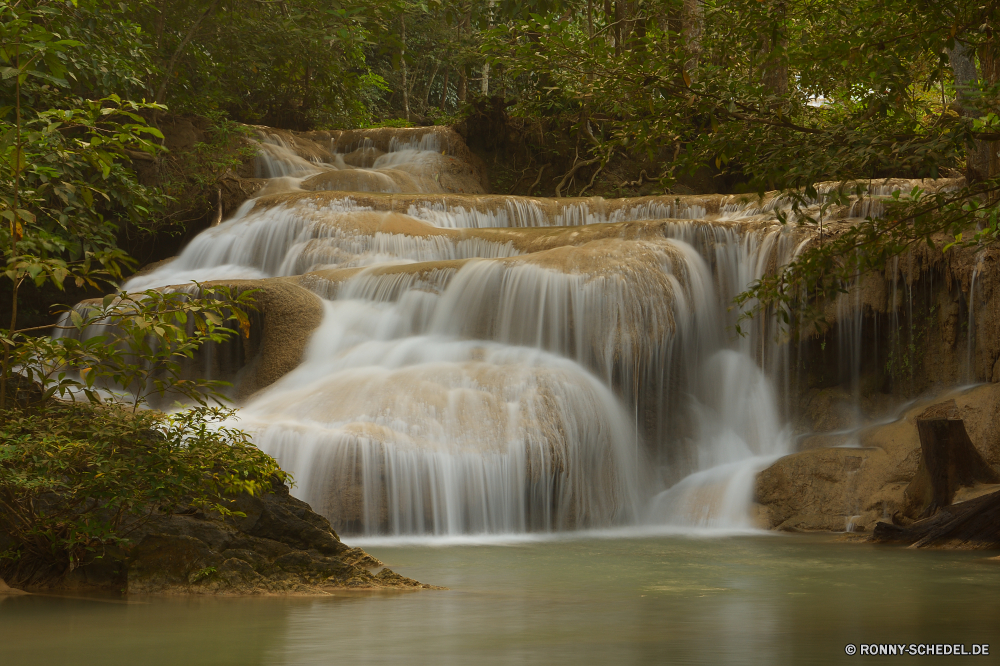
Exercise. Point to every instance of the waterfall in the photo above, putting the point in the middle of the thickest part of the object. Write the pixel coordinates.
(492, 364)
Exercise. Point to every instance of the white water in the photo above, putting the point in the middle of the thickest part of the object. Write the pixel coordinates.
(593, 384)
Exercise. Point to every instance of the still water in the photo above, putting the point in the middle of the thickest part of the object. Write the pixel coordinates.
(581, 600)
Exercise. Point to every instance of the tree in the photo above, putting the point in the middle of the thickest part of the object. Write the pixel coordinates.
(61, 158)
(783, 96)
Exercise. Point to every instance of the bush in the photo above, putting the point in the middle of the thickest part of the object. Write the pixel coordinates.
(76, 479)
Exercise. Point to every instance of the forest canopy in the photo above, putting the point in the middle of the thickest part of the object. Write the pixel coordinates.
(754, 95)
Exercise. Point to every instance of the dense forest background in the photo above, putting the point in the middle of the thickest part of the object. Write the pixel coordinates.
(561, 97)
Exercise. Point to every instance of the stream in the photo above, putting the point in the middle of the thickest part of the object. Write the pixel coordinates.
(596, 598)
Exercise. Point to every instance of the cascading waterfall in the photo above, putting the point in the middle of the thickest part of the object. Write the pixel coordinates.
(505, 364)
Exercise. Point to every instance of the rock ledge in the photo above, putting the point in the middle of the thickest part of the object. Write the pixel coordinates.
(280, 547)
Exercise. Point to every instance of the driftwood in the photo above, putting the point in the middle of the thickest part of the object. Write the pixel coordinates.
(973, 525)
(948, 461)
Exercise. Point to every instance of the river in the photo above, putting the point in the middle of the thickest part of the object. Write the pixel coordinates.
(585, 598)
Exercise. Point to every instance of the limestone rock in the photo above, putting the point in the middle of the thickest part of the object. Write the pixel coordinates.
(828, 488)
(280, 327)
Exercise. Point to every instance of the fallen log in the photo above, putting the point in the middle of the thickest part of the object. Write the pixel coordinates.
(972, 525)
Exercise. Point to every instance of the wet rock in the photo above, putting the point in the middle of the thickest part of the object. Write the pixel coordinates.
(280, 517)
(363, 158)
(279, 547)
(281, 324)
(831, 488)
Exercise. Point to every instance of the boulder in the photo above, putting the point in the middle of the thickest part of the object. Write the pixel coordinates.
(831, 488)
(286, 314)
(279, 546)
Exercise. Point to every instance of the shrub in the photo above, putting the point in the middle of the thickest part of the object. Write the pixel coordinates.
(76, 478)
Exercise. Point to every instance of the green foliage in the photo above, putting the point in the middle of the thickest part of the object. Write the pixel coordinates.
(191, 179)
(823, 270)
(78, 478)
(435, 61)
(133, 346)
(63, 180)
(781, 95)
(394, 122)
(295, 64)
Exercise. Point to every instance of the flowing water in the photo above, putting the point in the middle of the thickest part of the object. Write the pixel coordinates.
(541, 405)
(503, 365)
(594, 599)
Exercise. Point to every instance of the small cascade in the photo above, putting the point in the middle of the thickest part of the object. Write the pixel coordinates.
(970, 353)
(491, 364)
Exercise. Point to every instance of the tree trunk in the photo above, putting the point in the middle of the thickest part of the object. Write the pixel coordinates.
(444, 88)
(463, 72)
(948, 461)
(430, 82)
(619, 21)
(774, 65)
(485, 81)
(963, 67)
(692, 21)
(402, 60)
(989, 60)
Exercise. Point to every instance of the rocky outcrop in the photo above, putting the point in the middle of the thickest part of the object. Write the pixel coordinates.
(457, 168)
(948, 462)
(278, 546)
(835, 488)
(281, 324)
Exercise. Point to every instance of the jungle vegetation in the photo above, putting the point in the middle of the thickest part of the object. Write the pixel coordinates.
(814, 98)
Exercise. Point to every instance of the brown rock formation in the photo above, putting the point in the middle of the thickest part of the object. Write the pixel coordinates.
(827, 488)
(948, 461)
(280, 546)
(285, 317)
